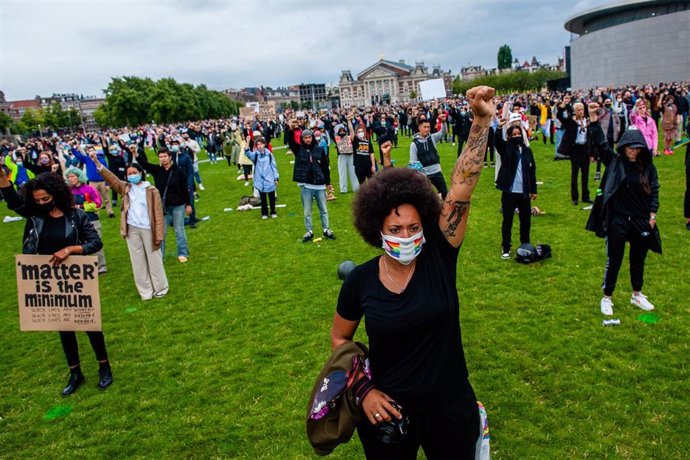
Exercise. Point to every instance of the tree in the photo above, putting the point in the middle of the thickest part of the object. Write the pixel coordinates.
(413, 95)
(6, 122)
(509, 82)
(505, 57)
(31, 119)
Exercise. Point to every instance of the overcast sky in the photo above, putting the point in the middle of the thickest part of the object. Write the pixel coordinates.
(57, 46)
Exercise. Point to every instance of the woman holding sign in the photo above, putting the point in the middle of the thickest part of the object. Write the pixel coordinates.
(54, 227)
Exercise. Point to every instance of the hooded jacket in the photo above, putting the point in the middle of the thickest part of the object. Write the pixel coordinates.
(265, 169)
(510, 156)
(614, 176)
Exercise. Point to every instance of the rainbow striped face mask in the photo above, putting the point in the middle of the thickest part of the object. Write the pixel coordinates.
(404, 250)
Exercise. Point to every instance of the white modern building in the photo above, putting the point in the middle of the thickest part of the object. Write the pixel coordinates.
(630, 42)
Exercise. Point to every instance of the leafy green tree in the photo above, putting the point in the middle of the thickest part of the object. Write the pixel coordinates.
(6, 123)
(31, 119)
(505, 57)
(133, 101)
(509, 82)
(413, 95)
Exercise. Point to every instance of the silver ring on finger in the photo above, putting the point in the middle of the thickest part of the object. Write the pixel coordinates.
(377, 416)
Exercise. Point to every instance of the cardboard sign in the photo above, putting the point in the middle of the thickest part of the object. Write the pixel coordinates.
(247, 113)
(532, 120)
(432, 89)
(344, 145)
(58, 298)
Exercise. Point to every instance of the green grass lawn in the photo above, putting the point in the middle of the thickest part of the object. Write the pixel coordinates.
(222, 366)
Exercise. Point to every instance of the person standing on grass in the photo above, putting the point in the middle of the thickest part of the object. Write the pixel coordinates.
(95, 179)
(670, 120)
(423, 149)
(345, 151)
(312, 174)
(686, 202)
(364, 160)
(646, 125)
(55, 227)
(171, 183)
(576, 145)
(88, 199)
(627, 210)
(517, 180)
(142, 223)
(408, 298)
(265, 175)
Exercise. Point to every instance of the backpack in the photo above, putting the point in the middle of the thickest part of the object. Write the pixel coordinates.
(526, 254)
(246, 199)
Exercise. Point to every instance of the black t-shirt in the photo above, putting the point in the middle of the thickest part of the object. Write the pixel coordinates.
(363, 150)
(52, 238)
(415, 344)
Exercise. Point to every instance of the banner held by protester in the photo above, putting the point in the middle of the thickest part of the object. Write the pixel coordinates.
(61, 297)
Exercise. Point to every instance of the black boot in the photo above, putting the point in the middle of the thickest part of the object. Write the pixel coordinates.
(76, 378)
(105, 375)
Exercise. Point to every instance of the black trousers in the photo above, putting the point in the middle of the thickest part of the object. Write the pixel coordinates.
(490, 150)
(363, 173)
(462, 138)
(510, 201)
(71, 347)
(447, 430)
(620, 231)
(247, 170)
(579, 164)
(440, 183)
(264, 205)
(686, 204)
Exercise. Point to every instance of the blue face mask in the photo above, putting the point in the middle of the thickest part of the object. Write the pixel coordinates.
(134, 179)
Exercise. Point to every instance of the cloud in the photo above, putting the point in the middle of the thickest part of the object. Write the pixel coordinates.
(77, 46)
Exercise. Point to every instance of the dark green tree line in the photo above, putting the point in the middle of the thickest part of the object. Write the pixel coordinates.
(132, 101)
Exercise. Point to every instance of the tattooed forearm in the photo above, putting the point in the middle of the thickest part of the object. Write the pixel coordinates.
(458, 211)
(469, 164)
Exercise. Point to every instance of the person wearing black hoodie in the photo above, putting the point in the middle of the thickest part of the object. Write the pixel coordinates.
(625, 209)
(517, 179)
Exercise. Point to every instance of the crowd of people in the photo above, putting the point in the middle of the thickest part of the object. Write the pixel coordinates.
(74, 176)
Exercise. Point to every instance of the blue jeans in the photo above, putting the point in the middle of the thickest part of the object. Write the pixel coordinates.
(559, 136)
(308, 196)
(175, 214)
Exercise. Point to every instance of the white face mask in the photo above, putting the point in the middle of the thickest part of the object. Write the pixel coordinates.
(361, 135)
(404, 250)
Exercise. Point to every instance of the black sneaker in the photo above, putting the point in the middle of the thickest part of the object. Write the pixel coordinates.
(308, 236)
(329, 234)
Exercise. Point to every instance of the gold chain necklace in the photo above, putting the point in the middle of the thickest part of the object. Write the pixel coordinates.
(409, 276)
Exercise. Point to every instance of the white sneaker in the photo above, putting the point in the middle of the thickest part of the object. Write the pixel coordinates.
(246, 184)
(640, 301)
(201, 187)
(505, 255)
(606, 306)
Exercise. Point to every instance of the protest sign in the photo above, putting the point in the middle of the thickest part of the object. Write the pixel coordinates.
(58, 298)
(532, 120)
(432, 89)
(267, 110)
(247, 113)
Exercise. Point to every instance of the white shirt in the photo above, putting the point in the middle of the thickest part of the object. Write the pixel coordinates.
(138, 213)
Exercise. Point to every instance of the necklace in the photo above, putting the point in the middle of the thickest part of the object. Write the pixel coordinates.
(409, 276)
